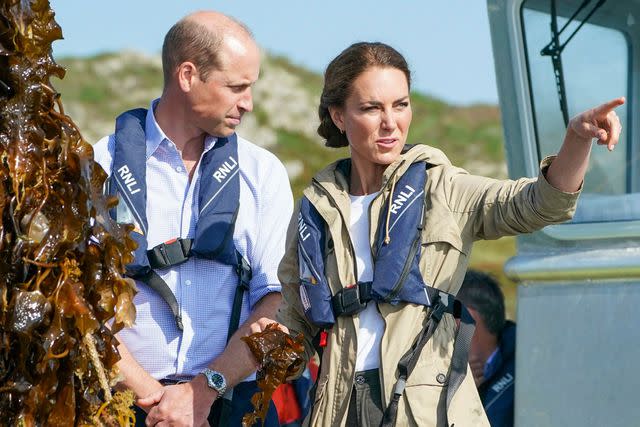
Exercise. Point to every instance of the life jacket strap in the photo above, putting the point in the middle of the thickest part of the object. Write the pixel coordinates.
(155, 282)
(243, 270)
(170, 253)
(443, 303)
(351, 299)
(461, 347)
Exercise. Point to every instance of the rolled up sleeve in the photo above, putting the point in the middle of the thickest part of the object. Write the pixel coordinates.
(275, 210)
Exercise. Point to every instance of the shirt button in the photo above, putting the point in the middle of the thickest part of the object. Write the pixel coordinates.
(187, 282)
(179, 168)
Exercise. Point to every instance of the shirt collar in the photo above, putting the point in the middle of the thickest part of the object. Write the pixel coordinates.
(209, 143)
(155, 135)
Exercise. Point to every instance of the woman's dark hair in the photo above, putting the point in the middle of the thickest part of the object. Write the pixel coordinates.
(482, 293)
(339, 78)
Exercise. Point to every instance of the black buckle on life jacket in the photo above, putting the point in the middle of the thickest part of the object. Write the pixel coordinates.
(352, 299)
(167, 254)
(243, 270)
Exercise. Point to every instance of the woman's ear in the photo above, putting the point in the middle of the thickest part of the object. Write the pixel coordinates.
(186, 75)
(337, 117)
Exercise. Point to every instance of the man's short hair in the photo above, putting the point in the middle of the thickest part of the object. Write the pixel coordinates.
(189, 40)
(481, 292)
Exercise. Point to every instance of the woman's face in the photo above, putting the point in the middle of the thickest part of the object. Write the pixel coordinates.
(376, 116)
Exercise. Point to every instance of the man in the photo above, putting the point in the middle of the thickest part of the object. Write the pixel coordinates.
(492, 353)
(210, 212)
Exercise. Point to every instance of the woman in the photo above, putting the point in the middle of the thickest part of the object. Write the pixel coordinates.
(381, 241)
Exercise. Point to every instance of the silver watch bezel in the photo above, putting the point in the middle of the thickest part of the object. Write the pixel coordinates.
(210, 374)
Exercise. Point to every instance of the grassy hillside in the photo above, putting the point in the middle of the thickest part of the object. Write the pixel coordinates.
(96, 89)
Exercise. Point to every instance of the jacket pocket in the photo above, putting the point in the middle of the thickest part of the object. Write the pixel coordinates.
(441, 253)
(443, 234)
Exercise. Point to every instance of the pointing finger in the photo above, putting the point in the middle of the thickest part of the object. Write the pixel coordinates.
(608, 106)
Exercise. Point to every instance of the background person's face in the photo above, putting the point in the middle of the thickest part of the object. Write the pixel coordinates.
(219, 102)
(376, 116)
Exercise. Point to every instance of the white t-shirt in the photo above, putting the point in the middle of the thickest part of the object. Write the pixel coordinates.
(371, 322)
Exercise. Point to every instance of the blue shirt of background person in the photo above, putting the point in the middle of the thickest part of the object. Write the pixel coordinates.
(492, 353)
(497, 390)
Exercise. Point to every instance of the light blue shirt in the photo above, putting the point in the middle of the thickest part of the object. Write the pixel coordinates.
(203, 288)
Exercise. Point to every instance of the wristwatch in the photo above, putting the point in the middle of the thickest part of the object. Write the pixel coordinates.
(215, 380)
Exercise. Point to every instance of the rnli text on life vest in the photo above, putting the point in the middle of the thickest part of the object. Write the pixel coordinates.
(503, 383)
(129, 180)
(402, 198)
(225, 169)
(302, 228)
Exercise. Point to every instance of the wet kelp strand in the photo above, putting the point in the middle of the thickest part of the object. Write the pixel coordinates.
(280, 357)
(61, 256)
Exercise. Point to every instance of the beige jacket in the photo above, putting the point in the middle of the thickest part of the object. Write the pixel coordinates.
(460, 209)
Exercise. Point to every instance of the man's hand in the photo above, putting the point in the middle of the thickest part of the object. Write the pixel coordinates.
(179, 405)
(189, 404)
(477, 369)
(262, 323)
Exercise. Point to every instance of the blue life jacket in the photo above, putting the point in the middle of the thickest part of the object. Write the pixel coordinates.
(218, 201)
(497, 392)
(396, 272)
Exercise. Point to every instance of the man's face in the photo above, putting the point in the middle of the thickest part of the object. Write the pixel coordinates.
(219, 102)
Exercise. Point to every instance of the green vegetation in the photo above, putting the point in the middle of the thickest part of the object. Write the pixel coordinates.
(96, 89)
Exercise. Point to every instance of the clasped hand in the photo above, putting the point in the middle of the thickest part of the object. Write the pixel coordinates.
(178, 405)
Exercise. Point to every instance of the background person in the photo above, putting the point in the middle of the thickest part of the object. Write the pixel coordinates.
(213, 220)
(381, 235)
(492, 356)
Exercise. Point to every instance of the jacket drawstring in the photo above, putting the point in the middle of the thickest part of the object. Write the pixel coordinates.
(387, 237)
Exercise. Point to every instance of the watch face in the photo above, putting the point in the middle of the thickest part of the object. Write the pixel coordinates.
(217, 380)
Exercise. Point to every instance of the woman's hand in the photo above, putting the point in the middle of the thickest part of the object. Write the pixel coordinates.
(567, 171)
(600, 122)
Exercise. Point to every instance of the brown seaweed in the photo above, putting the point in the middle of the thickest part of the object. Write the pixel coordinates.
(280, 357)
(61, 256)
